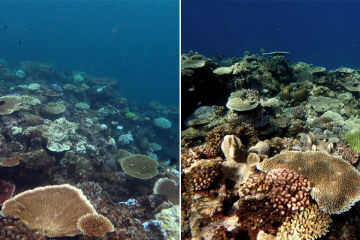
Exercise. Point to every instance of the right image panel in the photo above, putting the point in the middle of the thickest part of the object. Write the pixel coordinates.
(270, 120)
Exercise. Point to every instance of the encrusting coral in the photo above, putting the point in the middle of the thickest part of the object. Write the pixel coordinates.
(336, 183)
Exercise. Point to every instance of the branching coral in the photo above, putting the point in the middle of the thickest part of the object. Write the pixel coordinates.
(309, 224)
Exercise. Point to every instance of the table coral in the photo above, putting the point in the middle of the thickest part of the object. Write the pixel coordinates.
(336, 183)
(140, 166)
(38, 207)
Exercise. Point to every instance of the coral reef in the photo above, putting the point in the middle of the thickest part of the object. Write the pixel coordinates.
(283, 147)
(61, 127)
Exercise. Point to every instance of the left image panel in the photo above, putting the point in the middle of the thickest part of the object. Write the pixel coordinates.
(89, 120)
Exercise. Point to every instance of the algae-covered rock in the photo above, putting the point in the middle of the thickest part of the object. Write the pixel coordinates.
(323, 104)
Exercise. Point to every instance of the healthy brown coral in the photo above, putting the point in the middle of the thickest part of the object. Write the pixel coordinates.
(245, 132)
(309, 224)
(168, 188)
(289, 192)
(11, 229)
(94, 225)
(140, 166)
(52, 210)
(336, 183)
(202, 173)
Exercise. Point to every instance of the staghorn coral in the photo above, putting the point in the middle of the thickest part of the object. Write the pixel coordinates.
(94, 225)
(52, 210)
(140, 166)
(309, 224)
(168, 188)
(336, 183)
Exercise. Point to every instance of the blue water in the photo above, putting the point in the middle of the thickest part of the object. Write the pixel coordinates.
(323, 33)
(135, 42)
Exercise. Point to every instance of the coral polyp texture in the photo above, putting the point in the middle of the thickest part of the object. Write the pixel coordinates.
(270, 149)
(140, 166)
(52, 210)
(309, 224)
(336, 183)
(94, 225)
(289, 192)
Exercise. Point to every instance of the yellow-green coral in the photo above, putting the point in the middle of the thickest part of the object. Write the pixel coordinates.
(285, 92)
(353, 139)
(131, 116)
(300, 95)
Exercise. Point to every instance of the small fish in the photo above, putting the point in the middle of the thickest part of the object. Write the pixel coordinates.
(3, 26)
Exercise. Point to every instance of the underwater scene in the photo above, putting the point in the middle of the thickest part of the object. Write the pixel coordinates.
(270, 120)
(89, 120)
